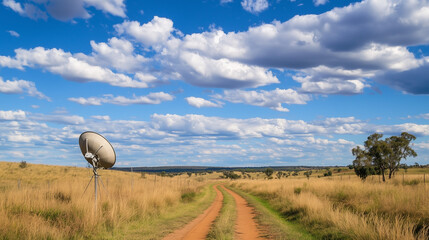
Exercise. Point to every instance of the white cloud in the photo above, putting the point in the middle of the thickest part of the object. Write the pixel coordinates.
(320, 2)
(225, 1)
(254, 6)
(20, 137)
(69, 67)
(57, 118)
(151, 98)
(28, 10)
(201, 102)
(424, 116)
(222, 73)
(20, 86)
(13, 33)
(12, 115)
(272, 99)
(102, 117)
(15, 6)
(116, 53)
(328, 48)
(155, 32)
(184, 138)
(200, 125)
(114, 7)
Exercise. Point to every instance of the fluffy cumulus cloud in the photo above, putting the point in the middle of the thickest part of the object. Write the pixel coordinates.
(272, 99)
(69, 67)
(151, 98)
(328, 50)
(254, 6)
(65, 10)
(20, 86)
(155, 32)
(116, 53)
(201, 102)
(12, 115)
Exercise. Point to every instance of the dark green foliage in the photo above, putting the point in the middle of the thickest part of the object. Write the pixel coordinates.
(268, 172)
(328, 174)
(230, 175)
(382, 155)
(308, 173)
(23, 164)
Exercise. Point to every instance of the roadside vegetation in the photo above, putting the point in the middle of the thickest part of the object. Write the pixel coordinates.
(347, 208)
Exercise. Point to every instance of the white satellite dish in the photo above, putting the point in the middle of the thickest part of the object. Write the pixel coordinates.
(99, 153)
(97, 150)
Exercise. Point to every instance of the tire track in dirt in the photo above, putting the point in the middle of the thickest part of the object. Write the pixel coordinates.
(246, 227)
(199, 227)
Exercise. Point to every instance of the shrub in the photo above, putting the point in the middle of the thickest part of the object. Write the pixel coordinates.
(297, 190)
(23, 164)
(62, 197)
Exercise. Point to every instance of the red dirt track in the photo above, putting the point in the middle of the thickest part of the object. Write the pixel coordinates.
(199, 227)
(246, 227)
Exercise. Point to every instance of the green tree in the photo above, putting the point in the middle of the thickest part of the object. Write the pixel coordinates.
(379, 152)
(400, 150)
(279, 174)
(269, 172)
(189, 174)
(308, 173)
(382, 154)
(362, 163)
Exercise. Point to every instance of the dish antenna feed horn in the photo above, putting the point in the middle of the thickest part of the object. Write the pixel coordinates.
(99, 153)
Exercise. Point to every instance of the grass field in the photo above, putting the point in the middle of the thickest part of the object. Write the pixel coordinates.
(344, 207)
(47, 202)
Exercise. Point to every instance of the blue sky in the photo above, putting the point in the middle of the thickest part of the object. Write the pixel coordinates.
(212, 82)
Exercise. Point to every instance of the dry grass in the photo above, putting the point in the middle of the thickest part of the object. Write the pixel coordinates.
(338, 208)
(47, 202)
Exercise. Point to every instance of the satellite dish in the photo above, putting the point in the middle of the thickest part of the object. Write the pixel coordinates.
(99, 153)
(97, 150)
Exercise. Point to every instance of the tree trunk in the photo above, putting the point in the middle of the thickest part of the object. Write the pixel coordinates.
(382, 173)
(390, 174)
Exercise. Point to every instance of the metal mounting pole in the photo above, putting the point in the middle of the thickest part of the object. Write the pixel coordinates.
(95, 192)
(95, 166)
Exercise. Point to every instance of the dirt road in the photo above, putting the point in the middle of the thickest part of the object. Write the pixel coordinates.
(246, 227)
(200, 226)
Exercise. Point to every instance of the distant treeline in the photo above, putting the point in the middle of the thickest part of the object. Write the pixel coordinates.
(197, 169)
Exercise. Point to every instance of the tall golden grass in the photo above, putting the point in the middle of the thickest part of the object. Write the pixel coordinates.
(47, 202)
(347, 208)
